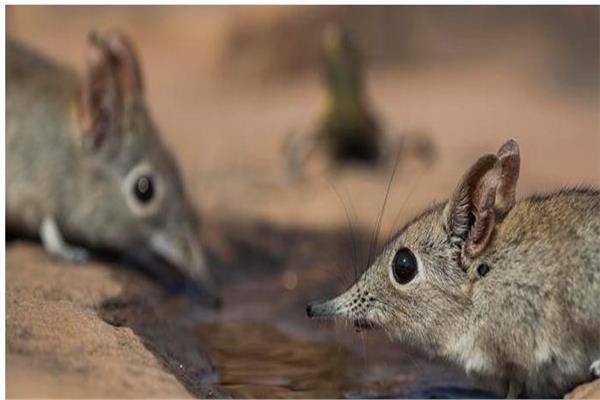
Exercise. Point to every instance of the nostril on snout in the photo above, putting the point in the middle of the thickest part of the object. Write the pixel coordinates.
(309, 311)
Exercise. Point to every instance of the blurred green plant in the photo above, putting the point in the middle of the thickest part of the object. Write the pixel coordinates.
(347, 127)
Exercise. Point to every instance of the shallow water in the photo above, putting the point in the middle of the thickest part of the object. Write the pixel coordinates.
(261, 344)
(256, 360)
(259, 360)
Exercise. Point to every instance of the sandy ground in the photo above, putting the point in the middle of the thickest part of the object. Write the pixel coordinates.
(96, 330)
(56, 344)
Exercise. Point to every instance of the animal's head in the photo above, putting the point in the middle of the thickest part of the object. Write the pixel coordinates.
(135, 200)
(417, 288)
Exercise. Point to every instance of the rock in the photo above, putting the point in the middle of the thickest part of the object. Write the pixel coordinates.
(589, 390)
(59, 345)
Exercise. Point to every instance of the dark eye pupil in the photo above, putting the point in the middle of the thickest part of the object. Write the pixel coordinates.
(144, 189)
(483, 269)
(404, 266)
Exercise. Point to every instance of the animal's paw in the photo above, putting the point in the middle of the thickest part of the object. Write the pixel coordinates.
(74, 254)
(55, 244)
(595, 369)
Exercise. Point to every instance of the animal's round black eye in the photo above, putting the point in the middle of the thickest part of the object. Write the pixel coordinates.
(483, 269)
(404, 266)
(144, 188)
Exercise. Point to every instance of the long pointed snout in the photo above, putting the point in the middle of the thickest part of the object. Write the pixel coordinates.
(325, 309)
(186, 255)
(200, 273)
(332, 308)
(351, 305)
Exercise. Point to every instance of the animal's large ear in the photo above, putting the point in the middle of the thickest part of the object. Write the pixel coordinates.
(509, 160)
(469, 214)
(127, 64)
(101, 101)
(112, 77)
(485, 194)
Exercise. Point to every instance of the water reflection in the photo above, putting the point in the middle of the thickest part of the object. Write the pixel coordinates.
(256, 360)
(261, 345)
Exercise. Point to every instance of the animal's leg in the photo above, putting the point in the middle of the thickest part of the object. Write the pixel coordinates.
(515, 389)
(55, 244)
(595, 369)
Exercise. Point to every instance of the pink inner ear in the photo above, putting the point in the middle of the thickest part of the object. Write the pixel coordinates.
(483, 200)
(460, 205)
(469, 213)
(479, 236)
(128, 68)
(101, 102)
(509, 159)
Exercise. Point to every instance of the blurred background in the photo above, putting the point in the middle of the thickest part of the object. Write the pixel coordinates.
(227, 85)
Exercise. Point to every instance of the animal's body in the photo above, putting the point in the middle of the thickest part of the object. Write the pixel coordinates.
(509, 290)
(86, 168)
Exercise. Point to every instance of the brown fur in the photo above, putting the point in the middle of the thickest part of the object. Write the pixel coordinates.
(531, 323)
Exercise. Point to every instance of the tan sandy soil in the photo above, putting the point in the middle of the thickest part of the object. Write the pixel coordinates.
(56, 344)
(588, 391)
